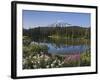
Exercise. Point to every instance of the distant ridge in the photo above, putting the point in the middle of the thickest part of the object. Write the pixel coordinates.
(60, 24)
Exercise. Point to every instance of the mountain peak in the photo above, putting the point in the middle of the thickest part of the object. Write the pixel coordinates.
(60, 24)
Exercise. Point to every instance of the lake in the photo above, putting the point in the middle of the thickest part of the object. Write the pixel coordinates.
(64, 46)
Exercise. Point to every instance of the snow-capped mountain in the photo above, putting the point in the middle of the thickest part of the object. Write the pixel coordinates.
(60, 24)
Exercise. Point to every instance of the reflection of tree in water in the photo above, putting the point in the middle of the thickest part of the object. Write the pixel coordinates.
(61, 43)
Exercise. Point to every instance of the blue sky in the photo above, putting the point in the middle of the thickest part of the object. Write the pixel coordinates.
(33, 18)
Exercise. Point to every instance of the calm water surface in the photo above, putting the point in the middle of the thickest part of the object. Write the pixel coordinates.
(64, 46)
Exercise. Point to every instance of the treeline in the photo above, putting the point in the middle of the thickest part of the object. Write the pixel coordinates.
(67, 32)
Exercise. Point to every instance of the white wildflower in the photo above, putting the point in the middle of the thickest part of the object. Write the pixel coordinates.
(32, 61)
(52, 65)
(41, 56)
(38, 62)
(54, 61)
(34, 57)
(34, 66)
(47, 66)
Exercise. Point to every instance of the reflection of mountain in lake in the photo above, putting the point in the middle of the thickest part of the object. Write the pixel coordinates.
(61, 47)
(62, 42)
(61, 38)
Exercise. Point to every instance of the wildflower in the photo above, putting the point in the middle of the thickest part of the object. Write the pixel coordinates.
(34, 57)
(52, 65)
(42, 56)
(34, 66)
(32, 61)
(47, 66)
(38, 61)
(54, 61)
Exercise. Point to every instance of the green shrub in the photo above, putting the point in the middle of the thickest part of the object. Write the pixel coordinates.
(85, 59)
